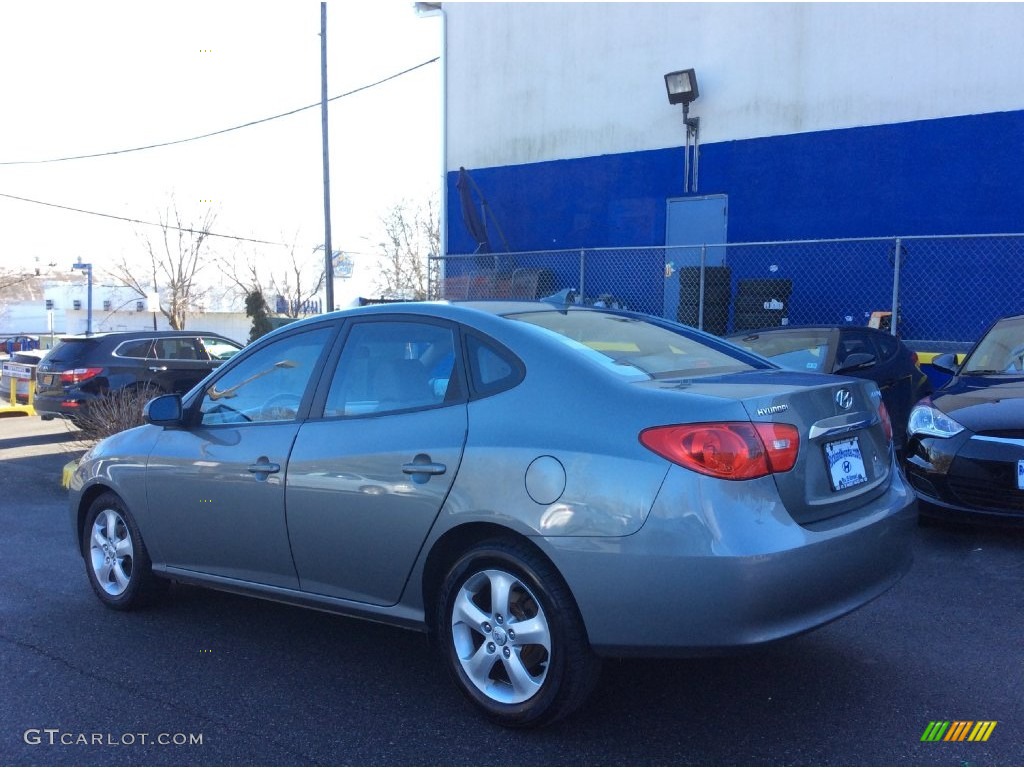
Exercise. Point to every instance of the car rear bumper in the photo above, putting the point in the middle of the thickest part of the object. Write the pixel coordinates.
(723, 569)
(48, 405)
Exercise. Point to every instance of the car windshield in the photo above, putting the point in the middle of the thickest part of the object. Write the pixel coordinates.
(1000, 351)
(804, 350)
(634, 347)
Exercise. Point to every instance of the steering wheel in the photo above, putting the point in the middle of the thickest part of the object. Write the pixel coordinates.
(280, 407)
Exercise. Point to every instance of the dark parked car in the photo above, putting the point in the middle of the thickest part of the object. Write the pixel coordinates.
(80, 369)
(866, 353)
(965, 457)
(536, 485)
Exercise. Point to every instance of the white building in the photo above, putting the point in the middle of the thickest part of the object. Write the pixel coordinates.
(816, 120)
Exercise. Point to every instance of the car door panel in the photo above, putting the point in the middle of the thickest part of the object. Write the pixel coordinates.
(233, 459)
(366, 482)
(358, 511)
(231, 522)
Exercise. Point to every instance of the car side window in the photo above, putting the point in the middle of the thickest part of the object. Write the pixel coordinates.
(179, 348)
(217, 348)
(388, 366)
(492, 368)
(268, 385)
(142, 348)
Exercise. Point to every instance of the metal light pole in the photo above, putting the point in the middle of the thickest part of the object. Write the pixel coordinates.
(327, 169)
(87, 268)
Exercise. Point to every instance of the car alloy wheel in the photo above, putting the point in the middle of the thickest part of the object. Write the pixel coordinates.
(111, 552)
(116, 560)
(501, 636)
(512, 636)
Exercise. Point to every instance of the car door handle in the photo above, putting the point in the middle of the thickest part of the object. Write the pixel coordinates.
(157, 368)
(263, 467)
(420, 467)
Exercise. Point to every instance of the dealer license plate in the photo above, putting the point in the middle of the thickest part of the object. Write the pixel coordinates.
(16, 371)
(845, 464)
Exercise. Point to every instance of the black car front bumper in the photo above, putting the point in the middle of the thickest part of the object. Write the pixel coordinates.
(969, 476)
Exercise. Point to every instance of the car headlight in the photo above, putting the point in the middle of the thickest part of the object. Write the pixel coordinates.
(926, 419)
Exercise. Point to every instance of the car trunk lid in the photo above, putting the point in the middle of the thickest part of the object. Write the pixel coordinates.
(845, 452)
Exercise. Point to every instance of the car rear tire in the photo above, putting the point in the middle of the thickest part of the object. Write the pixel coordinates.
(512, 636)
(116, 559)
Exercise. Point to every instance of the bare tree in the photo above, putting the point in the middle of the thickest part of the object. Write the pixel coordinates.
(299, 280)
(10, 278)
(296, 278)
(174, 260)
(12, 283)
(411, 236)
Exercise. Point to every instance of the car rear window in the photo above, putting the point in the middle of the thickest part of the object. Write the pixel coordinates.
(71, 351)
(634, 347)
(796, 350)
(888, 346)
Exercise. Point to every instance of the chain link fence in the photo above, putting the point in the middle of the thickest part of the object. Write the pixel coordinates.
(946, 289)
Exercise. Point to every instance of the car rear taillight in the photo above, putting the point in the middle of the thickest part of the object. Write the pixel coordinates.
(738, 450)
(78, 375)
(883, 414)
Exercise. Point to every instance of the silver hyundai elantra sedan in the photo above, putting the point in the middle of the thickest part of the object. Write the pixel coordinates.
(535, 485)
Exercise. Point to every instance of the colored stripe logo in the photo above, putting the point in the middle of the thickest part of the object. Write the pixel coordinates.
(959, 730)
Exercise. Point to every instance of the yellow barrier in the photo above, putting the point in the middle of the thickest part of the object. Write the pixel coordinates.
(15, 407)
(925, 358)
(68, 472)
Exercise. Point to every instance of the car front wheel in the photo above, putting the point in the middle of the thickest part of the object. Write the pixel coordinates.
(512, 636)
(115, 556)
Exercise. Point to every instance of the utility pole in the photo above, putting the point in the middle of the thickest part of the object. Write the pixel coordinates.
(328, 251)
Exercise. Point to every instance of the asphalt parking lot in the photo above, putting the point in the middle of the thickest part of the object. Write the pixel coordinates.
(214, 679)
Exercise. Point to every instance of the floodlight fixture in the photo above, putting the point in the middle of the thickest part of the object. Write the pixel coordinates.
(682, 89)
(682, 86)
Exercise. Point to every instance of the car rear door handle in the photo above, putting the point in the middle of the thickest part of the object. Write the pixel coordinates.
(157, 368)
(264, 467)
(422, 465)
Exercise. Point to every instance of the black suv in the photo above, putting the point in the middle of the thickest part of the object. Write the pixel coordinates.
(81, 369)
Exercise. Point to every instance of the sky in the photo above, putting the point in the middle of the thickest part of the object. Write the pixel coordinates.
(99, 76)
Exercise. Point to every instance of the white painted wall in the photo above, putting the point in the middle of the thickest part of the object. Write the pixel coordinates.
(530, 82)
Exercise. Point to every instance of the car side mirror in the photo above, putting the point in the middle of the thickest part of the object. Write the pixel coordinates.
(946, 362)
(856, 360)
(164, 411)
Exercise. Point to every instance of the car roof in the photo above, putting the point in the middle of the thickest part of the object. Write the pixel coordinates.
(787, 328)
(451, 310)
(115, 335)
(485, 315)
(37, 354)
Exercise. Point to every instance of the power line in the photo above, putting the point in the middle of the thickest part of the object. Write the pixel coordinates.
(141, 221)
(217, 133)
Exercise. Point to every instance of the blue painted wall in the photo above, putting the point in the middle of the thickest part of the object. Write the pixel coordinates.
(947, 176)
(962, 175)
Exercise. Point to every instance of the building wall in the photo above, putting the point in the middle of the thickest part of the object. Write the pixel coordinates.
(817, 119)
